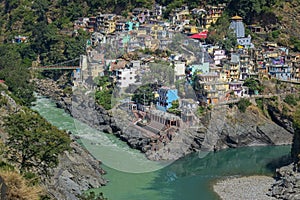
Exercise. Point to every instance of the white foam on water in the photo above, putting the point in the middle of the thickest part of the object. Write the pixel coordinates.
(110, 150)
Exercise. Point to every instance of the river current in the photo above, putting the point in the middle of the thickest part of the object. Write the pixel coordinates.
(132, 177)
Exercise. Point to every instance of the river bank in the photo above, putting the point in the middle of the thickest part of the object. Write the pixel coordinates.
(285, 185)
(246, 188)
(77, 170)
(186, 178)
(221, 128)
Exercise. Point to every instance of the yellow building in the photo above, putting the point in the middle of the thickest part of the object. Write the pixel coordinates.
(190, 29)
(212, 15)
(106, 23)
(109, 27)
(154, 30)
(234, 71)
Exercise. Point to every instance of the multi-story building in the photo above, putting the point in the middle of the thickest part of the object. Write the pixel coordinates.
(213, 13)
(279, 71)
(106, 23)
(218, 55)
(166, 97)
(214, 89)
(234, 71)
(125, 77)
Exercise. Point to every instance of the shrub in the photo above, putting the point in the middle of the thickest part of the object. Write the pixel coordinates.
(18, 187)
(243, 104)
(290, 99)
(200, 110)
(259, 103)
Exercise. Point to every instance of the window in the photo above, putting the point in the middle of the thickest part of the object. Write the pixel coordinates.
(124, 78)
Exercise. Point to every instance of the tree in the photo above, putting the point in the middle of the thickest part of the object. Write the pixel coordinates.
(16, 74)
(92, 196)
(253, 85)
(161, 73)
(34, 142)
(175, 108)
(143, 95)
(104, 94)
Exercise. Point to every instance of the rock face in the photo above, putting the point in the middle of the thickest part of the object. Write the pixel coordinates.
(287, 185)
(224, 127)
(229, 127)
(77, 171)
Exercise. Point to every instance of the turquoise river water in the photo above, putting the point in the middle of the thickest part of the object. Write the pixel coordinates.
(132, 177)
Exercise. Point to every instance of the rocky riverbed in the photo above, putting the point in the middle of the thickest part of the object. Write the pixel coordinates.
(222, 128)
(246, 188)
(285, 185)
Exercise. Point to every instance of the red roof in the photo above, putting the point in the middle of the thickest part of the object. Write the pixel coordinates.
(201, 35)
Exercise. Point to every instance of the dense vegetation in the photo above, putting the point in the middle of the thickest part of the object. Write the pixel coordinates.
(33, 143)
(144, 95)
(104, 93)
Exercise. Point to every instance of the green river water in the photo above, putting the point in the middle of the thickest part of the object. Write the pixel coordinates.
(132, 177)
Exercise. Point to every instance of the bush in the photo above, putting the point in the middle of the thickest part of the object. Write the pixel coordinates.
(290, 99)
(243, 104)
(19, 188)
(260, 103)
(200, 111)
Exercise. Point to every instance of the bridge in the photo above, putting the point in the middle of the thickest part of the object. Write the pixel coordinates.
(62, 65)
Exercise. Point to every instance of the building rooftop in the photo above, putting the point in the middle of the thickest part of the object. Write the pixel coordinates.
(236, 17)
(164, 115)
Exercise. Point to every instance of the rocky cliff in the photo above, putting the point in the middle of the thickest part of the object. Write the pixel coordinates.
(225, 128)
(76, 172)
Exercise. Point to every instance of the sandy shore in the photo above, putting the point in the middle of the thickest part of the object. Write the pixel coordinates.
(246, 188)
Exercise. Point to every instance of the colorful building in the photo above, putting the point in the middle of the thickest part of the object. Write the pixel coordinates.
(166, 97)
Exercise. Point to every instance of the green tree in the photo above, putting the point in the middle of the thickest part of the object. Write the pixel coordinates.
(253, 85)
(92, 196)
(34, 142)
(104, 93)
(16, 74)
(161, 73)
(243, 104)
(174, 108)
(143, 95)
(290, 99)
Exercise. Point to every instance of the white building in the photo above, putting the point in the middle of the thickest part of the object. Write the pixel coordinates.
(218, 56)
(179, 68)
(126, 76)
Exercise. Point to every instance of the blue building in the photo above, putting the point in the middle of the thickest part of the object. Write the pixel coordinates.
(166, 97)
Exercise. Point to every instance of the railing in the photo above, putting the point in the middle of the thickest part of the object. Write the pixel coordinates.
(56, 67)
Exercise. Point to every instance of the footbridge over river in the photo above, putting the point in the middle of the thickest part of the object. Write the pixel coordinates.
(63, 65)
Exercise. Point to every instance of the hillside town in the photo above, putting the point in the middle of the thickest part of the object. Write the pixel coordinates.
(129, 51)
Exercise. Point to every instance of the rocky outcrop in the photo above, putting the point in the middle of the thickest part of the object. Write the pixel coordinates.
(229, 127)
(77, 171)
(287, 185)
(226, 127)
